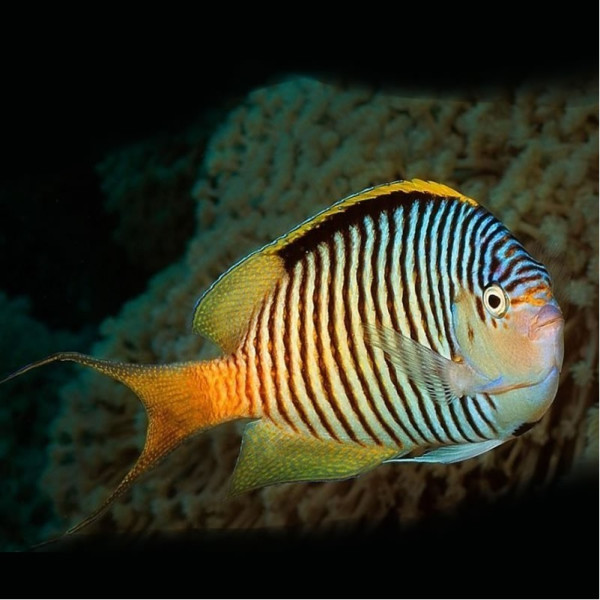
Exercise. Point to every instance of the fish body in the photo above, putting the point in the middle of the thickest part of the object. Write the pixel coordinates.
(404, 323)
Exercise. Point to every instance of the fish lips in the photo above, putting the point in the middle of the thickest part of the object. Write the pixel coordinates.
(547, 321)
(547, 328)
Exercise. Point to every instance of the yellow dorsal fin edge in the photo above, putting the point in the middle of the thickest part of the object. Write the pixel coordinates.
(414, 185)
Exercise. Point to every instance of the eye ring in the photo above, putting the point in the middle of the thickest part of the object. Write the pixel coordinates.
(495, 300)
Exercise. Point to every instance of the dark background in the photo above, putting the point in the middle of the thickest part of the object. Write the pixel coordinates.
(59, 119)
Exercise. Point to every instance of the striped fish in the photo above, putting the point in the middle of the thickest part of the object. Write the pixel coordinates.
(404, 323)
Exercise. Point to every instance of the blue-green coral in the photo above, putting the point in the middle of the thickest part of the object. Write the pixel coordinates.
(529, 154)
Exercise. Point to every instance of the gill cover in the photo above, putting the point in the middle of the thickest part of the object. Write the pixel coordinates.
(493, 350)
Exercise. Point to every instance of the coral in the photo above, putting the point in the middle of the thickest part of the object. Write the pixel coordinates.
(529, 155)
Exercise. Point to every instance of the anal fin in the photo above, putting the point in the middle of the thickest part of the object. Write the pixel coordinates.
(451, 454)
(269, 456)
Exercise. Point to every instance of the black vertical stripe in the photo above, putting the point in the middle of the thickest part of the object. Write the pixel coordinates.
(375, 286)
(442, 275)
(338, 274)
(404, 275)
(445, 286)
(491, 401)
(459, 233)
(304, 358)
(431, 275)
(260, 341)
(457, 230)
(484, 221)
(278, 367)
(249, 341)
(470, 247)
(458, 422)
(325, 375)
(465, 248)
(483, 272)
(391, 293)
(292, 320)
(438, 408)
(490, 260)
(351, 334)
(466, 410)
(239, 359)
(484, 417)
(439, 413)
(462, 240)
(361, 305)
(425, 311)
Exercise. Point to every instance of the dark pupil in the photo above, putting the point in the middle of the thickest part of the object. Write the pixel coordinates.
(494, 301)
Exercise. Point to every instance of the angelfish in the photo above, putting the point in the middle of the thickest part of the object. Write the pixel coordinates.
(403, 323)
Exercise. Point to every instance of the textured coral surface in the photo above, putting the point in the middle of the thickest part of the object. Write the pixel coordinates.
(530, 155)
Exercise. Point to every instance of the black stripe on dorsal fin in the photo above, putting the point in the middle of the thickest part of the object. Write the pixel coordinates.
(351, 210)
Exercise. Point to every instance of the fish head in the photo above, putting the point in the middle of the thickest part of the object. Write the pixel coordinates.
(512, 334)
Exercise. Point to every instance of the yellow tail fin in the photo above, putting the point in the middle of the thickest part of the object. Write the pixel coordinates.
(177, 399)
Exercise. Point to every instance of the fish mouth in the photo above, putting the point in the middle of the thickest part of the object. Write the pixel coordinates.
(548, 318)
(546, 330)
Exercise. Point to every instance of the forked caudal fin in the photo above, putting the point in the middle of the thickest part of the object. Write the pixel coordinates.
(177, 399)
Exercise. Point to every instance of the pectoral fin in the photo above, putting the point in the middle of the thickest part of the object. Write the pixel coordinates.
(443, 378)
(270, 455)
(452, 454)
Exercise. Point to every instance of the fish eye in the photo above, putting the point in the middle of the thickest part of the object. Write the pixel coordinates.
(495, 300)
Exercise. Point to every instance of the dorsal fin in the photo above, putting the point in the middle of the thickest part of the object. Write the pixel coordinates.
(428, 188)
(224, 312)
